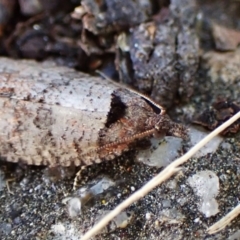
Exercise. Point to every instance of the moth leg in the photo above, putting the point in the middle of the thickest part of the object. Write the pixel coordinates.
(8, 185)
(77, 176)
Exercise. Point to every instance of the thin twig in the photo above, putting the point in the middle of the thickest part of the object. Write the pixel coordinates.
(162, 176)
(223, 222)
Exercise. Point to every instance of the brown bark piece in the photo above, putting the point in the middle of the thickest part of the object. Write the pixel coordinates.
(164, 54)
(110, 16)
(220, 112)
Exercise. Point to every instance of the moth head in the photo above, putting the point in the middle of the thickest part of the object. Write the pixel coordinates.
(167, 127)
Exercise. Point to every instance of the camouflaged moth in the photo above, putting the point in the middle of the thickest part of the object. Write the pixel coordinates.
(57, 116)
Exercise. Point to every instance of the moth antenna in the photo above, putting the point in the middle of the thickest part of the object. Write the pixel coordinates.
(129, 139)
(108, 145)
(124, 140)
(133, 91)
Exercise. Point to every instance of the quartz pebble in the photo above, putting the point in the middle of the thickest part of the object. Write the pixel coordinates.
(197, 134)
(122, 220)
(85, 194)
(162, 152)
(64, 230)
(171, 216)
(235, 236)
(205, 185)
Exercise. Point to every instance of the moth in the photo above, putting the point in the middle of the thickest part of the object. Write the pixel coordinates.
(55, 116)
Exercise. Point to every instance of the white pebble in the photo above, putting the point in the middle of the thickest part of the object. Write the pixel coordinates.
(197, 134)
(162, 152)
(205, 184)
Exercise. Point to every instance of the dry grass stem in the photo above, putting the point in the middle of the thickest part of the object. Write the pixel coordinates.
(161, 177)
(223, 222)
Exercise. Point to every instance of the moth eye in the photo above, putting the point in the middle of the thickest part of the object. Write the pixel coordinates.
(158, 134)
